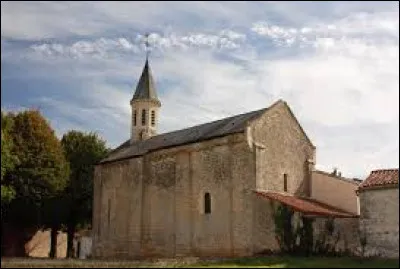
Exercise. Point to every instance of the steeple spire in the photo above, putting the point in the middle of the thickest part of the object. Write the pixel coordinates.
(145, 104)
(145, 88)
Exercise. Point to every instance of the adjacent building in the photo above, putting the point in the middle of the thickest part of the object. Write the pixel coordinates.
(379, 212)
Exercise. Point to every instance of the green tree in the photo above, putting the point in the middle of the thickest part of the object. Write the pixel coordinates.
(41, 172)
(8, 161)
(83, 151)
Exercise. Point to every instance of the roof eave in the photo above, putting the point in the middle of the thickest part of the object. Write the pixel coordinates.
(167, 147)
(378, 187)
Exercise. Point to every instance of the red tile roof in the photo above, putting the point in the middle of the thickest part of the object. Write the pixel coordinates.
(307, 206)
(381, 178)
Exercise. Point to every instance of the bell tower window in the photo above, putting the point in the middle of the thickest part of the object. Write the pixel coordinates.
(143, 116)
(153, 118)
(134, 118)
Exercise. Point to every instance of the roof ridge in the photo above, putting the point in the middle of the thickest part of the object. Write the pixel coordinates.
(209, 122)
(385, 170)
(187, 128)
(222, 119)
(201, 132)
(343, 178)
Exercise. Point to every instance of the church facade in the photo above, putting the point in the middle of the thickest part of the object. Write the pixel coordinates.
(201, 191)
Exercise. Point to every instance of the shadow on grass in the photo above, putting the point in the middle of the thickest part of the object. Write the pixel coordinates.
(303, 262)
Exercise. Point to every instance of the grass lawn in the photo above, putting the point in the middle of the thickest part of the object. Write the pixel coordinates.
(259, 262)
(304, 262)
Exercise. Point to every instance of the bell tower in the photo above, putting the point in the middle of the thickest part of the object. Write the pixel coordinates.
(145, 105)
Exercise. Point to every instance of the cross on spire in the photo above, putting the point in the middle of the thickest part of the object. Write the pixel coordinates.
(147, 45)
(145, 88)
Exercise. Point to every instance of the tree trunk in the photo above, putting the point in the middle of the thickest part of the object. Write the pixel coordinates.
(70, 240)
(53, 242)
(14, 239)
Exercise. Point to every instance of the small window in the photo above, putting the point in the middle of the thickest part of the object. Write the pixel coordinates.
(153, 118)
(134, 118)
(207, 203)
(143, 116)
(284, 182)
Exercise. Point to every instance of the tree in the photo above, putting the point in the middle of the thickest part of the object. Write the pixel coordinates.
(83, 151)
(8, 161)
(54, 216)
(41, 171)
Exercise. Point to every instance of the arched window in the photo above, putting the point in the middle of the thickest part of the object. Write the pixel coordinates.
(284, 182)
(134, 118)
(143, 116)
(207, 203)
(153, 118)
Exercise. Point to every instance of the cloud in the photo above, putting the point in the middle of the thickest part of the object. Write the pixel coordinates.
(349, 84)
(337, 67)
(85, 116)
(50, 20)
(106, 47)
(344, 106)
(59, 20)
(360, 26)
(98, 48)
(344, 86)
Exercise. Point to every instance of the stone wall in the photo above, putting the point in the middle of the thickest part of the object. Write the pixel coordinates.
(243, 184)
(117, 208)
(83, 247)
(39, 245)
(283, 148)
(344, 236)
(264, 236)
(344, 195)
(154, 205)
(379, 213)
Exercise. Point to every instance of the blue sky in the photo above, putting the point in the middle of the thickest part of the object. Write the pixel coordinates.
(335, 63)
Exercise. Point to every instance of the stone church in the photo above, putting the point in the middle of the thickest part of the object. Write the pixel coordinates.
(206, 190)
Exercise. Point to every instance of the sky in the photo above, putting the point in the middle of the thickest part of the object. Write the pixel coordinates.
(336, 64)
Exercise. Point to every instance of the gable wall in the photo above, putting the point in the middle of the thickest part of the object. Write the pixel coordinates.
(280, 147)
(283, 149)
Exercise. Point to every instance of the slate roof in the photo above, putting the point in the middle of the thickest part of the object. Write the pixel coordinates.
(219, 128)
(145, 88)
(309, 207)
(381, 178)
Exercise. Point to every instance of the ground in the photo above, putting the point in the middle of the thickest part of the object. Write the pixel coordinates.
(266, 262)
